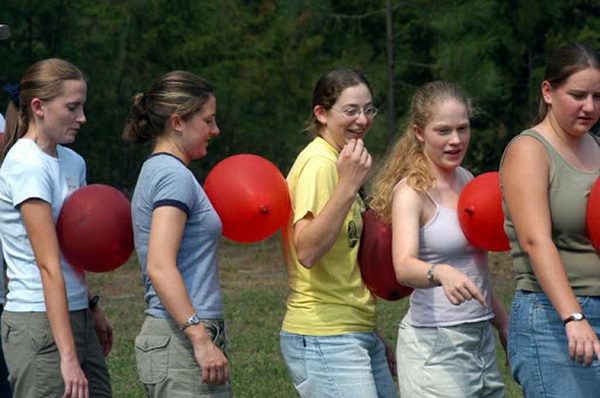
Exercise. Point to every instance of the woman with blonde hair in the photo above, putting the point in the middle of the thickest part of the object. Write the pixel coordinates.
(445, 342)
(48, 336)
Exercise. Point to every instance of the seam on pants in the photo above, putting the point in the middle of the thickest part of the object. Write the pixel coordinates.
(538, 374)
(324, 361)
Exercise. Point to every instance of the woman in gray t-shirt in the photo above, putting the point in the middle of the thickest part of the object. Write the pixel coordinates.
(180, 348)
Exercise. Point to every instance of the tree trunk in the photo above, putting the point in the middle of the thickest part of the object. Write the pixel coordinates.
(391, 107)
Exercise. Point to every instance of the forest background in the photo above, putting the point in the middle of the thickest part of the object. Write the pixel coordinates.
(264, 57)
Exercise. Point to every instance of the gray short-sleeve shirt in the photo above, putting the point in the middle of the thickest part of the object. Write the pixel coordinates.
(165, 181)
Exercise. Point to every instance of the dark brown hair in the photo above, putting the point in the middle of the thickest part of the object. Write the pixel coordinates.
(178, 92)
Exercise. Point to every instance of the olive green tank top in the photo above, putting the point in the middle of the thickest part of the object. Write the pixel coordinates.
(568, 191)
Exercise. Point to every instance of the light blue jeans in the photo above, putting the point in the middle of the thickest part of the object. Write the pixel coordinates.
(351, 365)
(538, 349)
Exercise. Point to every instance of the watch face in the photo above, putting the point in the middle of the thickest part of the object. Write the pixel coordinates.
(577, 316)
(194, 320)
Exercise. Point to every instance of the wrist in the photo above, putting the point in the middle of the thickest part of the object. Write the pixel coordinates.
(432, 275)
(576, 316)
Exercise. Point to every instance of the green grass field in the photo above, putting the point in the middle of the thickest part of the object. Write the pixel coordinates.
(253, 279)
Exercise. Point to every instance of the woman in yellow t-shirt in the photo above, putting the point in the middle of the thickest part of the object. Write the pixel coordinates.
(328, 336)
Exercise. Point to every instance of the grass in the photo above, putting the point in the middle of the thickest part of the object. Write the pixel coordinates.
(254, 283)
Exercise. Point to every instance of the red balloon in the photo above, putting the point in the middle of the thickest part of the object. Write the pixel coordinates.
(94, 228)
(480, 213)
(593, 215)
(375, 259)
(250, 195)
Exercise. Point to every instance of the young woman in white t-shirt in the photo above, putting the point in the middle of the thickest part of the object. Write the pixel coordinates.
(53, 343)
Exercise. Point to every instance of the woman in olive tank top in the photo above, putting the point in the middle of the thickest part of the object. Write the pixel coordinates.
(546, 174)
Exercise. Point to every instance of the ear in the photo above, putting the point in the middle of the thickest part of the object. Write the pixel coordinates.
(547, 92)
(418, 133)
(176, 123)
(37, 108)
(320, 114)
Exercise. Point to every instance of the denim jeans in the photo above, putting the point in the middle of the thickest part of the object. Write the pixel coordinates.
(538, 349)
(351, 365)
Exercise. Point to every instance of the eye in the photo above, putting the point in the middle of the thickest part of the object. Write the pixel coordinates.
(351, 112)
(577, 95)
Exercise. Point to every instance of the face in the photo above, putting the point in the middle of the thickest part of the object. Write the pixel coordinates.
(60, 118)
(575, 105)
(446, 136)
(350, 117)
(197, 130)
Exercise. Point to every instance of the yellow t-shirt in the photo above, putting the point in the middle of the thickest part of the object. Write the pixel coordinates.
(330, 298)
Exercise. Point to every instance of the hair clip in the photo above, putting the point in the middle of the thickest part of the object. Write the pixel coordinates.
(13, 92)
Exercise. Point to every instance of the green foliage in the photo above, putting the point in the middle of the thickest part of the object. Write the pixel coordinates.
(264, 57)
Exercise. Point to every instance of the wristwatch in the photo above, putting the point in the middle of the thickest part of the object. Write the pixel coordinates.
(430, 274)
(194, 320)
(576, 316)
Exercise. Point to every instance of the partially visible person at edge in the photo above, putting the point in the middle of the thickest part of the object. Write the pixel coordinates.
(54, 342)
(328, 336)
(180, 349)
(445, 342)
(4, 384)
(546, 175)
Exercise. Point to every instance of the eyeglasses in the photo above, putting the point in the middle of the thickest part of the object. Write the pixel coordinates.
(354, 112)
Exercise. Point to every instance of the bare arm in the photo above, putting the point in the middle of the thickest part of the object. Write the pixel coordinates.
(407, 211)
(525, 176)
(500, 320)
(165, 239)
(315, 235)
(37, 217)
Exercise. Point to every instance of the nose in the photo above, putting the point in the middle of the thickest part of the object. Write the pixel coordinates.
(454, 138)
(82, 119)
(588, 104)
(215, 130)
(362, 118)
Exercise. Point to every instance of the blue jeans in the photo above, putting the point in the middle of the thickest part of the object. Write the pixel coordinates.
(538, 349)
(341, 366)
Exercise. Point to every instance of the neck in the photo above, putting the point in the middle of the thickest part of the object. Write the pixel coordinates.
(554, 128)
(168, 146)
(47, 146)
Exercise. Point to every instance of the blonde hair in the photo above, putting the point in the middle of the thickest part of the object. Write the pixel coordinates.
(406, 158)
(43, 80)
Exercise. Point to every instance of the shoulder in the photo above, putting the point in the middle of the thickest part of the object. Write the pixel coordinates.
(69, 155)
(407, 196)
(24, 156)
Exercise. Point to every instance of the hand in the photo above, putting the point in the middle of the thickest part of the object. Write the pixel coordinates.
(76, 384)
(458, 288)
(583, 342)
(212, 361)
(103, 329)
(390, 355)
(503, 336)
(354, 163)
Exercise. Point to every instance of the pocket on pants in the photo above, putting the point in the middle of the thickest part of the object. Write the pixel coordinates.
(293, 348)
(152, 357)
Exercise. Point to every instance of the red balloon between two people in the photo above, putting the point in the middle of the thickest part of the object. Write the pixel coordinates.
(250, 195)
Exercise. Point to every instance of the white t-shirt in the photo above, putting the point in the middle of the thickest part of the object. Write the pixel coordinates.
(26, 173)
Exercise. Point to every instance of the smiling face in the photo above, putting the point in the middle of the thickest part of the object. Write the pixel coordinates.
(60, 118)
(575, 105)
(446, 135)
(350, 117)
(196, 131)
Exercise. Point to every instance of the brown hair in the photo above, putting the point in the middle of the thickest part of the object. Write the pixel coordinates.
(328, 89)
(406, 158)
(43, 80)
(178, 92)
(564, 62)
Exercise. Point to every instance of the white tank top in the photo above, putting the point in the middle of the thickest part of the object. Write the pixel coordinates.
(441, 241)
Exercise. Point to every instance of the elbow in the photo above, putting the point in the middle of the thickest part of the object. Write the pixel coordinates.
(152, 271)
(306, 259)
(400, 272)
(532, 245)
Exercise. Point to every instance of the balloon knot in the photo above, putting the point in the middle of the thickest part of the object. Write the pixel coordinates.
(264, 209)
(470, 210)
